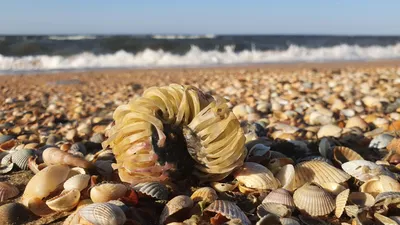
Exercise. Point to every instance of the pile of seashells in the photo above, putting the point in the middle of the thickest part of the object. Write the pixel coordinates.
(177, 155)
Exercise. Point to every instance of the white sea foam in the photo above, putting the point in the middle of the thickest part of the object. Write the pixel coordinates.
(71, 38)
(171, 37)
(196, 57)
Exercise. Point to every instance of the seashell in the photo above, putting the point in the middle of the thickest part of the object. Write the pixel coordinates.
(394, 145)
(14, 213)
(314, 158)
(103, 214)
(329, 130)
(371, 102)
(107, 191)
(387, 198)
(7, 168)
(104, 167)
(357, 121)
(318, 172)
(7, 158)
(274, 165)
(223, 187)
(351, 210)
(154, 189)
(333, 188)
(65, 201)
(343, 154)
(286, 177)
(269, 219)
(72, 219)
(384, 220)
(79, 182)
(325, 147)
(289, 221)
(279, 196)
(314, 200)
(97, 138)
(341, 200)
(317, 118)
(362, 170)
(54, 156)
(78, 147)
(228, 209)
(274, 208)
(258, 150)
(395, 218)
(76, 171)
(84, 203)
(21, 157)
(256, 176)
(382, 184)
(361, 199)
(204, 194)
(176, 205)
(7, 191)
(5, 138)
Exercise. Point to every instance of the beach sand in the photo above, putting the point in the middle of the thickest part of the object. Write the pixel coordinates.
(74, 106)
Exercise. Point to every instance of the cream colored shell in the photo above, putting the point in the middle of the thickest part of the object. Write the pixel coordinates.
(256, 176)
(314, 200)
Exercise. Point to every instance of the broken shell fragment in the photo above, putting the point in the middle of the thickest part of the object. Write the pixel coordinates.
(79, 182)
(204, 194)
(341, 201)
(179, 204)
(7, 191)
(54, 156)
(66, 201)
(107, 191)
(382, 184)
(103, 214)
(228, 209)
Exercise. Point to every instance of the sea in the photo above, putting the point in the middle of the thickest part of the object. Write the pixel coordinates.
(50, 53)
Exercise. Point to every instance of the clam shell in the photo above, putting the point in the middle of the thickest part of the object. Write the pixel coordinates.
(361, 199)
(14, 213)
(156, 190)
(103, 214)
(341, 201)
(329, 130)
(289, 221)
(72, 219)
(318, 172)
(384, 220)
(286, 176)
(7, 191)
(205, 194)
(228, 209)
(21, 158)
(314, 200)
(333, 188)
(381, 141)
(79, 182)
(387, 198)
(107, 191)
(256, 176)
(382, 184)
(343, 154)
(175, 205)
(279, 196)
(66, 201)
(274, 208)
(223, 187)
(362, 170)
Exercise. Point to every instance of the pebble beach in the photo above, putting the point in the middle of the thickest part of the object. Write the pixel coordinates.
(332, 113)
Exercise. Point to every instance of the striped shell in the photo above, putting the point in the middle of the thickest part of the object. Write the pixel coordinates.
(256, 176)
(274, 208)
(387, 198)
(103, 214)
(361, 199)
(66, 201)
(341, 201)
(156, 190)
(228, 209)
(107, 191)
(79, 182)
(7, 158)
(205, 194)
(384, 220)
(343, 154)
(333, 188)
(362, 170)
(382, 184)
(21, 157)
(215, 140)
(6, 168)
(7, 191)
(318, 172)
(175, 205)
(286, 176)
(279, 196)
(314, 200)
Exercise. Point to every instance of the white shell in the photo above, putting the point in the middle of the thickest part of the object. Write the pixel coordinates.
(79, 182)
(256, 176)
(286, 177)
(21, 157)
(362, 170)
(180, 202)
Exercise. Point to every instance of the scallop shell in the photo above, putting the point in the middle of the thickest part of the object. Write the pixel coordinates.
(362, 170)
(343, 154)
(175, 205)
(279, 196)
(361, 199)
(79, 182)
(269, 219)
(384, 220)
(256, 176)
(6, 168)
(352, 210)
(274, 208)
(314, 200)
(66, 201)
(7, 191)
(286, 177)
(228, 209)
(107, 191)
(381, 141)
(21, 158)
(103, 214)
(318, 172)
(387, 198)
(341, 201)
(333, 188)
(205, 194)
(382, 184)
(7, 158)
(154, 189)
(394, 145)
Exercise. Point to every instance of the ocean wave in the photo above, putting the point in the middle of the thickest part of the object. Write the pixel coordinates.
(196, 57)
(71, 38)
(173, 37)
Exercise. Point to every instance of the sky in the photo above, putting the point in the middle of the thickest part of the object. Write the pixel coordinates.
(351, 17)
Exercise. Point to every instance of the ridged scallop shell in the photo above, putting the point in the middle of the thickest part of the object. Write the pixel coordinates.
(333, 188)
(255, 176)
(382, 184)
(7, 191)
(7, 158)
(341, 201)
(21, 158)
(352, 210)
(66, 201)
(79, 182)
(205, 194)
(279, 196)
(156, 190)
(361, 199)
(343, 154)
(314, 200)
(318, 172)
(274, 208)
(387, 198)
(384, 220)
(107, 191)
(362, 170)
(228, 209)
(286, 177)
(180, 202)
(103, 214)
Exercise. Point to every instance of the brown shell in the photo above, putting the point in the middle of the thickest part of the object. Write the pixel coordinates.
(314, 200)
(179, 203)
(7, 191)
(343, 154)
(205, 194)
(228, 209)
(361, 199)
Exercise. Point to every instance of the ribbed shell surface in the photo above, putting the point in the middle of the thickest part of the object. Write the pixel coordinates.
(228, 209)
(21, 157)
(156, 190)
(279, 196)
(341, 201)
(314, 200)
(103, 214)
